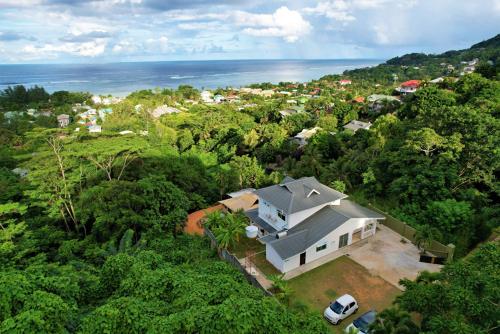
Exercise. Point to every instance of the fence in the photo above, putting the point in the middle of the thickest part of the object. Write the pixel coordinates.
(227, 256)
(434, 247)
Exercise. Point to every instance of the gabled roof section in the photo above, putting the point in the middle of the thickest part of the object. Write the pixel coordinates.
(298, 195)
(309, 232)
(354, 210)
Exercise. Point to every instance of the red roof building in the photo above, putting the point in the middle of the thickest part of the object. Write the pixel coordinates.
(411, 84)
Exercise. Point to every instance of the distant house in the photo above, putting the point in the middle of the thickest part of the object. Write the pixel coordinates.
(468, 70)
(288, 112)
(63, 120)
(219, 98)
(96, 99)
(376, 102)
(104, 112)
(95, 128)
(126, 132)
(303, 136)
(345, 82)
(164, 109)
(356, 125)
(245, 202)
(206, 96)
(20, 171)
(359, 99)
(437, 80)
(408, 87)
(303, 220)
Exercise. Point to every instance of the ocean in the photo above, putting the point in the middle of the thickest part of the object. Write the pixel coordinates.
(119, 79)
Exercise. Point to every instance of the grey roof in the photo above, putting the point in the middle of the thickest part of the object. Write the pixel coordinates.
(253, 215)
(354, 210)
(287, 179)
(356, 125)
(380, 97)
(297, 195)
(313, 229)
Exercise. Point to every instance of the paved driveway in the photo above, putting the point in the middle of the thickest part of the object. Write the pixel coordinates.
(386, 256)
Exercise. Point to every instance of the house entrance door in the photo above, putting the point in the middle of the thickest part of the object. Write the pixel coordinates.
(343, 240)
(303, 258)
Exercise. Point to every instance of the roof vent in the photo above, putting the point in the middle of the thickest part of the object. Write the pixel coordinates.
(313, 191)
(281, 234)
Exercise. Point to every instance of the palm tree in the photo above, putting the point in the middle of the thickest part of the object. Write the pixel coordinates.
(394, 321)
(281, 289)
(227, 228)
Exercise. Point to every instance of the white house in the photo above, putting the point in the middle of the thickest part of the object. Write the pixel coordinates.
(206, 96)
(377, 102)
(303, 220)
(95, 128)
(355, 125)
(63, 120)
(164, 109)
(303, 136)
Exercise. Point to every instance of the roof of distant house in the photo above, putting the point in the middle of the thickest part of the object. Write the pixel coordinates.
(297, 195)
(356, 125)
(164, 109)
(381, 97)
(307, 133)
(411, 83)
(243, 202)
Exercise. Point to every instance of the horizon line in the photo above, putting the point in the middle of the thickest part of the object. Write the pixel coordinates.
(193, 60)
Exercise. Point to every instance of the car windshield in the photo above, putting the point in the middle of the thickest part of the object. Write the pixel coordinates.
(360, 323)
(336, 307)
(363, 322)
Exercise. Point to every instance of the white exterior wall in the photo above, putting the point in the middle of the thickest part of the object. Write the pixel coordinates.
(331, 240)
(269, 213)
(274, 258)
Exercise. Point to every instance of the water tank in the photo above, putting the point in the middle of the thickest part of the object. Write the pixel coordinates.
(251, 231)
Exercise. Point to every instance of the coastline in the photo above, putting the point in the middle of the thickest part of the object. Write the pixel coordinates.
(120, 79)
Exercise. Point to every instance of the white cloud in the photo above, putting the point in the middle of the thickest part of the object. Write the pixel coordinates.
(339, 10)
(345, 10)
(200, 25)
(157, 44)
(285, 23)
(87, 49)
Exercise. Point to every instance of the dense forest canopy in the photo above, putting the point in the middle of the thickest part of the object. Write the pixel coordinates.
(91, 224)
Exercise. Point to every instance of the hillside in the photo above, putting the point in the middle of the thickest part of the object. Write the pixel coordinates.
(429, 66)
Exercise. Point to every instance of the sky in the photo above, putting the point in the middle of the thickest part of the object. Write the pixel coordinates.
(101, 31)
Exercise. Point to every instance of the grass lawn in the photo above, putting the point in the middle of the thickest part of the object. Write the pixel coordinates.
(318, 287)
(246, 244)
(264, 265)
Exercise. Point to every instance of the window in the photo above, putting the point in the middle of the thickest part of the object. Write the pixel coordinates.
(282, 215)
(321, 247)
